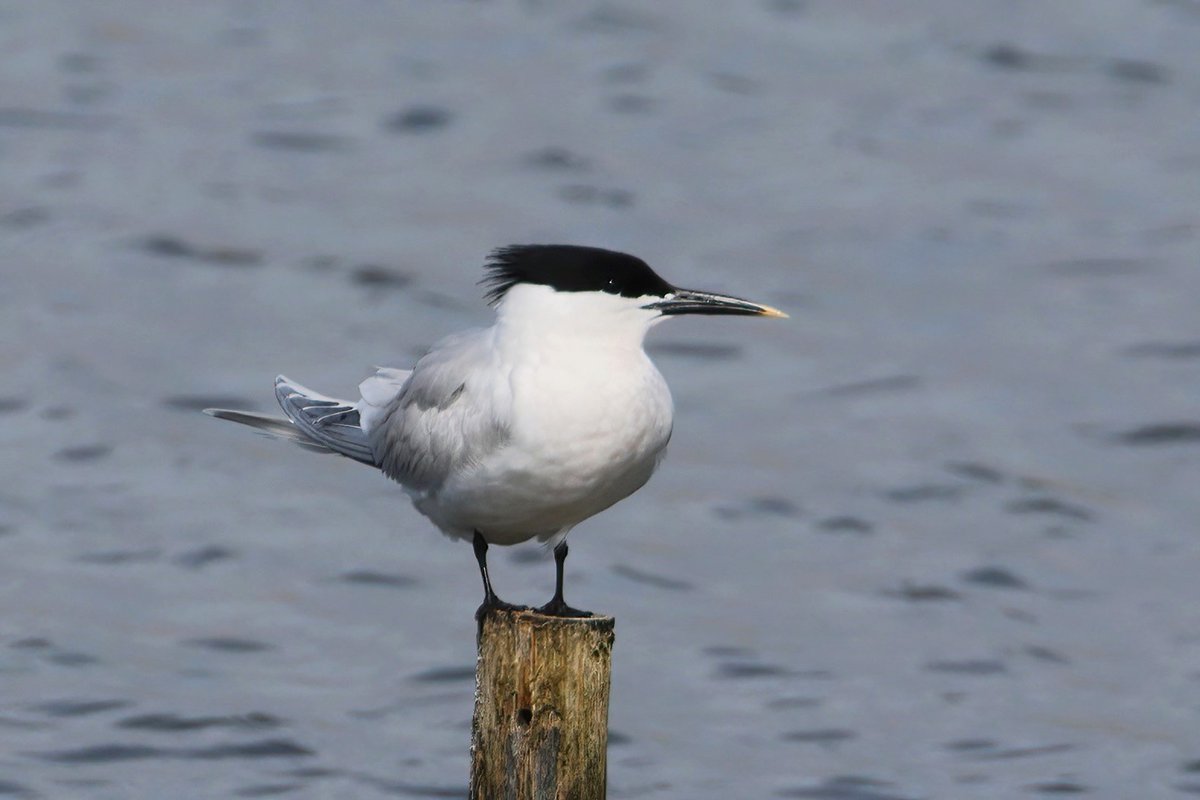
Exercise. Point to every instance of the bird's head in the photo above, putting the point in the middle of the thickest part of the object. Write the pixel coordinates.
(593, 285)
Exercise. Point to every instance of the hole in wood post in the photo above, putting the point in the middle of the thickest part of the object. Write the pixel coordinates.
(524, 716)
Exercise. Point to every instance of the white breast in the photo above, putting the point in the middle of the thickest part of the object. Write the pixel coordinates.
(588, 418)
(585, 434)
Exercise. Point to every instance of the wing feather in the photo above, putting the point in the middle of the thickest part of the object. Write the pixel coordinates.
(326, 420)
(449, 413)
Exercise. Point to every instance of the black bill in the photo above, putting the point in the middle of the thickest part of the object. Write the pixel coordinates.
(686, 301)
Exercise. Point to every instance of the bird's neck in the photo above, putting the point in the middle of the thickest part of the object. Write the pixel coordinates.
(579, 323)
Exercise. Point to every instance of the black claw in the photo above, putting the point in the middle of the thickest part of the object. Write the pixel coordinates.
(491, 601)
(496, 604)
(557, 607)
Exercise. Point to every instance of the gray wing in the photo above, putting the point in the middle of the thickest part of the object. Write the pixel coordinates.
(314, 421)
(327, 421)
(449, 412)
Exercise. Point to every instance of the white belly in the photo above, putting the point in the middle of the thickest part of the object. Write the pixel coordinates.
(583, 438)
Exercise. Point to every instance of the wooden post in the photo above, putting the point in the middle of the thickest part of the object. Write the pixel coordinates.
(540, 729)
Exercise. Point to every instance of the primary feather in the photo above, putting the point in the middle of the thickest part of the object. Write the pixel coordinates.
(326, 420)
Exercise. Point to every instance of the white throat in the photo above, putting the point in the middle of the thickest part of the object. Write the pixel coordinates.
(531, 312)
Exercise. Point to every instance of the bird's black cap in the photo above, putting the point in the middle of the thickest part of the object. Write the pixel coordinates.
(570, 268)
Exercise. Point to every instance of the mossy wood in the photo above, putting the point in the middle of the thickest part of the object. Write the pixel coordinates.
(540, 730)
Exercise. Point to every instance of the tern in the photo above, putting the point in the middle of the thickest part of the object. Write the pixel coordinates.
(524, 429)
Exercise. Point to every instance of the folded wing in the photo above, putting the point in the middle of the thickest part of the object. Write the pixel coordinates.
(444, 416)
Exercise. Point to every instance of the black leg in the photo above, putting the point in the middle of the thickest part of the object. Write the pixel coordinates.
(557, 607)
(490, 601)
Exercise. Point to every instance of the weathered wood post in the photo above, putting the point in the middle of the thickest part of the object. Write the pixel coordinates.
(540, 730)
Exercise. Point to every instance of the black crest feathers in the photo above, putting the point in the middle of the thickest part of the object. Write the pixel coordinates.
(570, 268)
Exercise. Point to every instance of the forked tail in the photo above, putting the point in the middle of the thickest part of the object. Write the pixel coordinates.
(314, 422)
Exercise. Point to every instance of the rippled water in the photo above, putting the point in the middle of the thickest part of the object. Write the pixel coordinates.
(935, 537)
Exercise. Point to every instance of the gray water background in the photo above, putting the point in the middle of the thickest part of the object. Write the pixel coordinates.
(934, 537)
